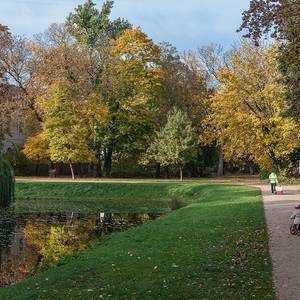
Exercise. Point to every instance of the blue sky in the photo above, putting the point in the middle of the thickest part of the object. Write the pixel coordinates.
(187, 24)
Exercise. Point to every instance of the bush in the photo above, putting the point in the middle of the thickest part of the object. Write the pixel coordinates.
(176, 202)
(264, 174)
(7, 183)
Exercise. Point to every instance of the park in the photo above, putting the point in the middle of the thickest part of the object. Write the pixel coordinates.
(133, 169)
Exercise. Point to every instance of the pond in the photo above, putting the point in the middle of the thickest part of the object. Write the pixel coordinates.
(32, 242)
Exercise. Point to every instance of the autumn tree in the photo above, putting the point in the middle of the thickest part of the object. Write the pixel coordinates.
(184, 84)
(65, 127)
(281, 20)
(5, 40)
(58, 58)
(36, 148)
(131, 91)
(93, 29)
(175, 144)
(11, 104)
(212, 58)
(247, 112)
(95, 32)
(16, 67)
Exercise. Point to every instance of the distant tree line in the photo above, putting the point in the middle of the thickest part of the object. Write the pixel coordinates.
(97, 92)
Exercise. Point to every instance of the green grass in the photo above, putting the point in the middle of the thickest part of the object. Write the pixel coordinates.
(91, 197)
(214, 248)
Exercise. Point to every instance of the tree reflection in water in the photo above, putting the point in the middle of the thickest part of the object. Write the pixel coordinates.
(31, 242)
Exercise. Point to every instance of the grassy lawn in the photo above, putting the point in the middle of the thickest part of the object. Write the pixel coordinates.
(214, 248)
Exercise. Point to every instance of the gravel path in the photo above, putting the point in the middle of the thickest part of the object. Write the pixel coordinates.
(284, 248)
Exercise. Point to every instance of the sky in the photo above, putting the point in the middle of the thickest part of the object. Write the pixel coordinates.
(187, 24)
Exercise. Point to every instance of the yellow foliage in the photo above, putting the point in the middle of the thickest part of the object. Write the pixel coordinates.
(66, 126)
(247, 111)
(96, 108)
(55, 241)
(37, 148)
(137, 66)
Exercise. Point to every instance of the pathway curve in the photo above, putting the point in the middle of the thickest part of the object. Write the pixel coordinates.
(284, 248)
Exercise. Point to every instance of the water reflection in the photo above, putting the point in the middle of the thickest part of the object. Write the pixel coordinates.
(31, 242)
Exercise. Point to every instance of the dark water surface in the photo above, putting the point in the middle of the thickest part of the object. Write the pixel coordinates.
(33, 242)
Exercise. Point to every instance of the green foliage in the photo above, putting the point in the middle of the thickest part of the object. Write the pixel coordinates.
(7, 228)
(264, 174)
(93, 27)
(20, 163)
(175, 144)
(133, 87)
(7, 183)
(214, 248)
(176, 202)
(184, 85)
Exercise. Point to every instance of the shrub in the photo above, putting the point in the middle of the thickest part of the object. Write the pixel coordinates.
(176, 202)
(7, 183)
(264, 174)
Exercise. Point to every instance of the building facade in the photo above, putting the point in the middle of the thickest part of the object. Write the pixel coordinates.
(16, 136)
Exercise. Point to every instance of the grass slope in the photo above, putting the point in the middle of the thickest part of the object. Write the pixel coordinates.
(215, 248)
(88, 197)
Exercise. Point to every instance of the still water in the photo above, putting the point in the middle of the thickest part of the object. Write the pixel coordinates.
(33, 242)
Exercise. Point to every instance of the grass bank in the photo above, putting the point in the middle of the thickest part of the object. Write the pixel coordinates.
(214, 248)
(91, 197)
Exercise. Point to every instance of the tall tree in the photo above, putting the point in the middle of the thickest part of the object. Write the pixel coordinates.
(131, 91)
(94, 30)
(184, 84)
(213, 58)
(280, 19)
(15, 67)
(58, 58)
(93, 27)
(247, 113)
(13, 104)
(175, 144)
(65, 128)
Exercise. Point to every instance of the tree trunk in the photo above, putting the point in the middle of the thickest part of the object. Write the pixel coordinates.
(221, 163)
(157, 171)
(167, 172)
(72, 171)
(181, 176)
(251, 167)
(37, 167)
(108, 161)
(99, 162)
(98, 167)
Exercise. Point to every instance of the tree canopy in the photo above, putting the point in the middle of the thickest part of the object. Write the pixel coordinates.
(175, 144)
(281, 20)
(98, 93)
(247, 112)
